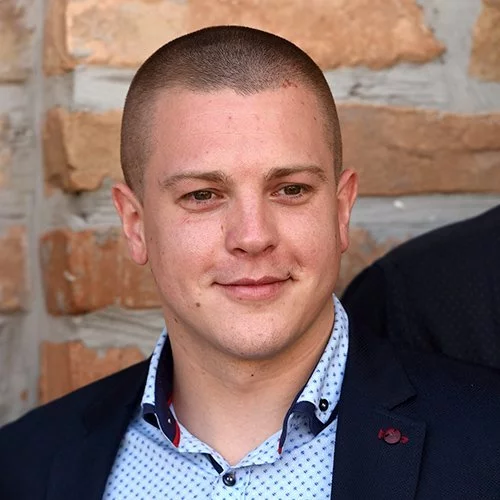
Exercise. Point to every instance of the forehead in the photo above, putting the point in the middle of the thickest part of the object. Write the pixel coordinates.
(225, 127)
(288, 99)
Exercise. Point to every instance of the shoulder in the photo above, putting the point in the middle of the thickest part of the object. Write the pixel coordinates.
(468, 239)
(427, 366)
(29, 444)
(446, 387)
(437, 292)
(55, 415)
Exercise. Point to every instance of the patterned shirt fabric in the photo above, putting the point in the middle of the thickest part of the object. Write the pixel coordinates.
(160, 459)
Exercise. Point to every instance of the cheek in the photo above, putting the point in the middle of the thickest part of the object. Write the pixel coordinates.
(177, 248)
(315, 241)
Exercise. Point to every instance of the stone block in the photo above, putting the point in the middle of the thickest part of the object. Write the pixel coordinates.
(88, 270)
(400, 151)
(81, 148)
(65, 367)
(15, 40)
(485, 55)
(13, 288)
(122, 33)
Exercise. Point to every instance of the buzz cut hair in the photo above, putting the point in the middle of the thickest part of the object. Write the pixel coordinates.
(245, 60)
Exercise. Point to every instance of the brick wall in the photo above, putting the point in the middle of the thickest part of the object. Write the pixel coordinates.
(418, 87)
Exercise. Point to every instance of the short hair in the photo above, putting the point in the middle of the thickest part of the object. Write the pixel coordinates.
(243, 59)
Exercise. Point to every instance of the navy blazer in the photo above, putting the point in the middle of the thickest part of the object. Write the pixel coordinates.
(447, 416)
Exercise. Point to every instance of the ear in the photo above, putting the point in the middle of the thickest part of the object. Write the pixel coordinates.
(347, 190)
(129, 209)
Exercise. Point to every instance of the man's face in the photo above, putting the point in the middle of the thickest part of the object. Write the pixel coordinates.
(242, 221)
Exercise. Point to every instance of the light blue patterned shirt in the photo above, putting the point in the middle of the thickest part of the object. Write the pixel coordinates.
(159, 459)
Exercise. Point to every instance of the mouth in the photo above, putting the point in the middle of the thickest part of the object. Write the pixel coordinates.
(251, 289)
(265, 280)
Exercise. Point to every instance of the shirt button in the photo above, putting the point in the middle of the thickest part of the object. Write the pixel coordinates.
(323, 404)
(229, 479)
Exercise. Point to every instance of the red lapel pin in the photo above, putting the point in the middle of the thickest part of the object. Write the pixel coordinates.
(392, 436)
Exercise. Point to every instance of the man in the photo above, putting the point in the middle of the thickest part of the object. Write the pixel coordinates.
(439, 292)
(260, 387)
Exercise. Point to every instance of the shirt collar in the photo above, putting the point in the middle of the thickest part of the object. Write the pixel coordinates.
(323, 387)
(157, 393)
(317, 401)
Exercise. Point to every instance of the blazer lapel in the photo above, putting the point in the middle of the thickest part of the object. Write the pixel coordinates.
(80, 469)
(378, 446)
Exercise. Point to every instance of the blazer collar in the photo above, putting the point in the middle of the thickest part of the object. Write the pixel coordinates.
(376, 398)
(80, 469)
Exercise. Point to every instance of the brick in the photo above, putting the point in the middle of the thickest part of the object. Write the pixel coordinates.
(485, 54)
(81, 148)
(363, 250)
(401, 151)
(88, 270)
(65, 367)
(395, 150)
(375, 33)
(12, 269)
(15, 39)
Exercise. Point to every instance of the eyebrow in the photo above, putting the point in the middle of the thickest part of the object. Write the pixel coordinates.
(215, 176)
(279, 172)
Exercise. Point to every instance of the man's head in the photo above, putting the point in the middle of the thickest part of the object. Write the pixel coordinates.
(240, 212)
(242, 59)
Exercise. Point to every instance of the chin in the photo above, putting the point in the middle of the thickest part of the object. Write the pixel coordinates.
(255, 346)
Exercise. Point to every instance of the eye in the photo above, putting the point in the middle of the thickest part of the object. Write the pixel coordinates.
(201, 200)
(293, 190)
(293, 193)
(201, 195)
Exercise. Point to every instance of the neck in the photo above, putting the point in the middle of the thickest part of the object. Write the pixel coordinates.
(250, 395)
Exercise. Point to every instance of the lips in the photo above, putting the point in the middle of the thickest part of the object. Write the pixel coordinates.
(251, 289)
(265, 280)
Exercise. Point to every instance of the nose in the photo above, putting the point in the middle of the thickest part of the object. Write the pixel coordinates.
(250, 228)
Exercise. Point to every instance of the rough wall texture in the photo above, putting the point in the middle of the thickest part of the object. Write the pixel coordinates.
(485, 58)
(89, 270)
(377, 33)
(18, 172)
(69, 163)
(15, 41)
(418, 87)
(67, 366)
(12, 269)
